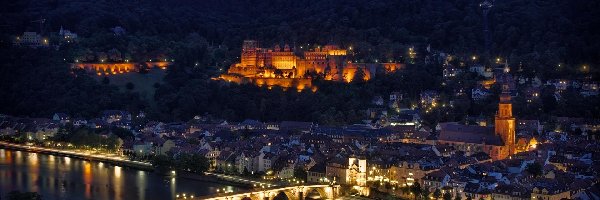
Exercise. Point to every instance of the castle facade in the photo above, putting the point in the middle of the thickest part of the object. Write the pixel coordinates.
(290, 68)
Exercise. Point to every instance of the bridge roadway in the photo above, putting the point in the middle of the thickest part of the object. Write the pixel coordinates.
(108, 158)
(297, 192)
(237, 179)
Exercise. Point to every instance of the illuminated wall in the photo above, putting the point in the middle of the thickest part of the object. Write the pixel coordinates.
(160, 64)
(106, 68)
(336, 52)
(392, 67)
(283, 60)
(296, 83)
(349, 71)
(116, 68)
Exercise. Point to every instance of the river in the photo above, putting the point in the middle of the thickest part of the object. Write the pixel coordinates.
(57, 177)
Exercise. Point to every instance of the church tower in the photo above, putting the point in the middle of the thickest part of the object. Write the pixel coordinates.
(505, 123)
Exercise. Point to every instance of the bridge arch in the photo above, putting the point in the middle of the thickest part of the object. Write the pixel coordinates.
(319, 190)
(281, 195)
(290, 195)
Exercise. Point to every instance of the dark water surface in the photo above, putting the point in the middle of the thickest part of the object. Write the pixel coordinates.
(57, 177)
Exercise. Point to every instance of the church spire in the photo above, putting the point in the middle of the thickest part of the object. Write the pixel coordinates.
(505, 122)
(505, 95)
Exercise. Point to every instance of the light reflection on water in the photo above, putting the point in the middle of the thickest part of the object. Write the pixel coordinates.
(56, 177)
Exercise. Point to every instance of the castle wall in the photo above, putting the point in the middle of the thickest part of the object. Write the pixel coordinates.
(391, 67)
(235, 78)
(349, 71)
(116, 68)
(160, 64)
(297, 83)
(105, 68)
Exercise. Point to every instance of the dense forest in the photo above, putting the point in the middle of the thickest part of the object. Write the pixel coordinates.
(37, 82)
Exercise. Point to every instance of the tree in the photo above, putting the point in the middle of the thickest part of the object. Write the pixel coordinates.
(300, 174)
(143, 68)
(359, 76)
(534, 169)
(101, 56)
(129, 86)
(113, 143)
(437, 193)
(122, 133)
(105, 80)
(278, 73)
(114, 55)
(162, 163)
(416, 189)
(246, 172)
(191, 162)
(447, 196)
(457, 196)
(426, 193)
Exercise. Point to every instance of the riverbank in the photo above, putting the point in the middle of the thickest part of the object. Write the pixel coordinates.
(120, 161)
(61, 177)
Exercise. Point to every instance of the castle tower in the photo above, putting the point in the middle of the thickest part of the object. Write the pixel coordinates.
(505, 123)
(249, 54)
(277, 48)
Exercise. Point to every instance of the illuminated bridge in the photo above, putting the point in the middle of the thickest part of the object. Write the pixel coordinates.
(291, 192)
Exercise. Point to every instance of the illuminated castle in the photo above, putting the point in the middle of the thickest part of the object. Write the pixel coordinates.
(287, 67)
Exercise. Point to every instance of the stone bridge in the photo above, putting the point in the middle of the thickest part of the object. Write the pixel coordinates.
(291, 192)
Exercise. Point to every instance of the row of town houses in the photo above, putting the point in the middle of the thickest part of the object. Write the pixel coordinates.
(359, 155)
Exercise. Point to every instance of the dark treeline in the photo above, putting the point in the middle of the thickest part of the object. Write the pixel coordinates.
(537, 34)
(38, 83)
(188, 94)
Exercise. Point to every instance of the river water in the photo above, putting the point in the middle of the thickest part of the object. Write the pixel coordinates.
(57, 177)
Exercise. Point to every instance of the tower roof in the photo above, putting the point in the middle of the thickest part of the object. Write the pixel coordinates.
(505, 96)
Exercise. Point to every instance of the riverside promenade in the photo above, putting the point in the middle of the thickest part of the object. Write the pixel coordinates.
(92, 156)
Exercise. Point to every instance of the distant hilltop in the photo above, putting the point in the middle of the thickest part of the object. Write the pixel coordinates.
(295, 68)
